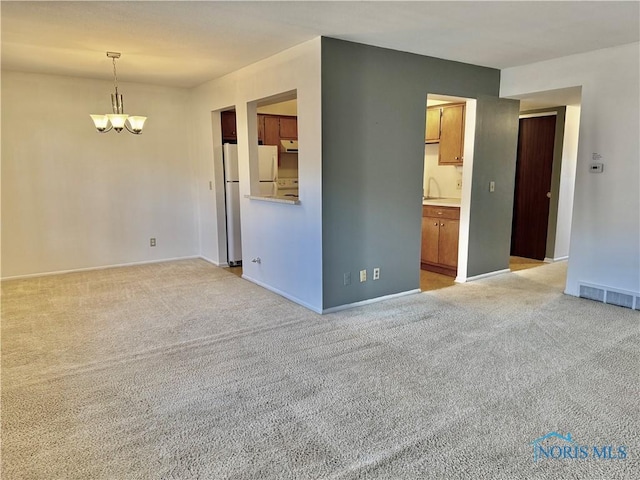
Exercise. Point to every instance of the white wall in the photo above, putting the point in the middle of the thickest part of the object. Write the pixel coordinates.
(73, 198)
(567, 182)
(287, 238)
(605, 232)
(440, 180)
(290, 107)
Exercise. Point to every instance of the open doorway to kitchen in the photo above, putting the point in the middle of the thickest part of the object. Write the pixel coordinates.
(231, 178)
(446, 142)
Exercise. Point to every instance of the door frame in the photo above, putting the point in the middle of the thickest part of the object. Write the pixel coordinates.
(558, 149)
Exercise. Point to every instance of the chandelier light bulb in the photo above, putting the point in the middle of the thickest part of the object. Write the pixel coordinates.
(117, 120)
(100, 121)
(137, 123)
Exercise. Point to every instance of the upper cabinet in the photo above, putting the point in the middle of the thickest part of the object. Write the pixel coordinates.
(228, 124)
(445, 125)
(289, 128)
(271, 128)
(451, 135)
(432, 134)
(260, 129)
(276, 128)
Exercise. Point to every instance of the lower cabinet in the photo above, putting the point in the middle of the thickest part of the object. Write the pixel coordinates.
(440, 230)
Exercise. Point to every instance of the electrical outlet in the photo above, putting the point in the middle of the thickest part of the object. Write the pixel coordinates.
(347, 278)
(363, 275)
(459, 184)
(152, 242)
(376, 273)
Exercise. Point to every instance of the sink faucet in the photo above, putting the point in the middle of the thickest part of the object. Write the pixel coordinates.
(429, 195)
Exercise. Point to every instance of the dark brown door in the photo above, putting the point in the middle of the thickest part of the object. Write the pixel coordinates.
(533, 187)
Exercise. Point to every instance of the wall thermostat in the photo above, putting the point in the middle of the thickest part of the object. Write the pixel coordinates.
(596, 167)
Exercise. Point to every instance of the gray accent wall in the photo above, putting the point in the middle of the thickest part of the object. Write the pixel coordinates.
(491, 214)
(373, 120)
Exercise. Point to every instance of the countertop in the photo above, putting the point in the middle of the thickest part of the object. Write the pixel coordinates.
(276, 199)
(442, 202)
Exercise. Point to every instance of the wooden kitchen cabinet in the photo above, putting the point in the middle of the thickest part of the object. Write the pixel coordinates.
(440, 231)
(451, 134)
(432, 133)
(288, 128)
(228, 125)
(261, 130)
(229, 129)
(430, 239)
(271, 130)
(276, 128)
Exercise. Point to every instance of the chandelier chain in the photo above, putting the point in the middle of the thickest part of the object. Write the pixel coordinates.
(115, 75)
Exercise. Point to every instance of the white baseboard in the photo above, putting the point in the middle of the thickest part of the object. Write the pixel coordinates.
(558, 259)
(101, 267)
(315, 309)
(369, 301)
(487, 275)
(213, 262)
(283, 294)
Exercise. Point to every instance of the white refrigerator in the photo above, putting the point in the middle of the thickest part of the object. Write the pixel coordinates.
(268, 171)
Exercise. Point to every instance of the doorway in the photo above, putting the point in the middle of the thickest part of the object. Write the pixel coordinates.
(532, 196)
(276, 162)
(447, 139)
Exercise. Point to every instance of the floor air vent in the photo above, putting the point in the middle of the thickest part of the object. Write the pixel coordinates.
(612, 297)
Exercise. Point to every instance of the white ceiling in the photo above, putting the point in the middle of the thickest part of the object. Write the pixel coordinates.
(187, 43)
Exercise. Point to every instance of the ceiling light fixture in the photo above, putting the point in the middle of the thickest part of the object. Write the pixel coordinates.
(118, 119)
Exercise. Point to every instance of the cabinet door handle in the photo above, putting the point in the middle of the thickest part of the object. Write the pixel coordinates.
(435, 224)
(442, 224)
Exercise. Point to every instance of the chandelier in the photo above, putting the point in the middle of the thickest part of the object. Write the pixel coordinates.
(118, 119)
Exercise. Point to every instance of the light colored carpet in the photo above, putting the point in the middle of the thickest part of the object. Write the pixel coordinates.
(182, 370)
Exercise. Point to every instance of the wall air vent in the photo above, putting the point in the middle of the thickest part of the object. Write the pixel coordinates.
(592, 293)
(620, 299)
(612, 297)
